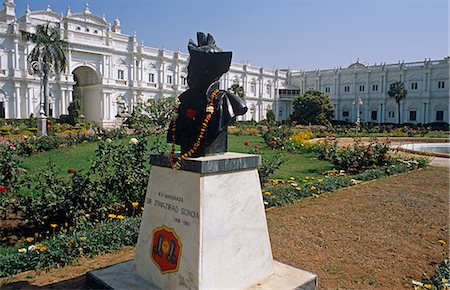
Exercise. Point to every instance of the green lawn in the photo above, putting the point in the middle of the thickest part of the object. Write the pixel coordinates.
(80, 157)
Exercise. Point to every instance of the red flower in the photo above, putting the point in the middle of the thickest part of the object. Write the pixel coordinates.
(3, 189)
(190, 113)
(246, 143)
(256, 146)
(274, 142)
(71, 170)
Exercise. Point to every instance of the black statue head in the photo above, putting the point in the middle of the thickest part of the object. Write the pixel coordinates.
(207, 61)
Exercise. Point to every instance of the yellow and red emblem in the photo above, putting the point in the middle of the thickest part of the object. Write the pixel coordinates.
(166, 249)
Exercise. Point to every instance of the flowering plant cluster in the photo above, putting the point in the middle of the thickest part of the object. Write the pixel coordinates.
(64, 247)
(279, 191)
(27, 145)
(116, 180)
(355, 157)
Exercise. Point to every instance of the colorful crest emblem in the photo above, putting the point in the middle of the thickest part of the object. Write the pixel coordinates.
(166, 249)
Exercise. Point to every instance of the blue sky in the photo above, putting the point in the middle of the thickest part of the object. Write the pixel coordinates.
(296, 34)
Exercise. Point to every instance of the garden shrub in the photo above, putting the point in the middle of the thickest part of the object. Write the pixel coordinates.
(153, 116)
(355, 157)
(277, 137)
(118, 177)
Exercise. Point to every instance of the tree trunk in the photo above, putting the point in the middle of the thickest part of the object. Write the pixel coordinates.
(398, 108)
(46, 91)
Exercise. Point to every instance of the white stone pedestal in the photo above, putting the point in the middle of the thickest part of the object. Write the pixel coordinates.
(203, 227)
(220, 221)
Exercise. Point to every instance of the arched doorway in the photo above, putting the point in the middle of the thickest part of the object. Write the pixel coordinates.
(87, 89)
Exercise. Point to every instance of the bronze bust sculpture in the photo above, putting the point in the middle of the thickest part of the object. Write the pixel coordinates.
(200, 125)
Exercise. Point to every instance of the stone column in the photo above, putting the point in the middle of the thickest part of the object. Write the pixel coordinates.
(63, 102)
(17, 113)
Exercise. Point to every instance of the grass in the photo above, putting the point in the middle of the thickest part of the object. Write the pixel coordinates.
(80, 157)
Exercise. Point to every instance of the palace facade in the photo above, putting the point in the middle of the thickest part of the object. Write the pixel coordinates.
(111, 72)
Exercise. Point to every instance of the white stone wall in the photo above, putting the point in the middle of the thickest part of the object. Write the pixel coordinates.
(111, 67)
(371, 84)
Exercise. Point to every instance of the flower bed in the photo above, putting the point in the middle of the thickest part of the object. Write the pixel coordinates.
(278, 191)
(63, 248)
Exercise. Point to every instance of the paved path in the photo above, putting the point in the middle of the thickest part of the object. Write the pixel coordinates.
(440, 162)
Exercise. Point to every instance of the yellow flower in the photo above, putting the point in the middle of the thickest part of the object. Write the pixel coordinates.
(268, 193)
(298, 188)
(307, 177)
(442, 242)
(428, 286)
(23, 250)
(313, 187)
(53, 225)
(315, 195)
(120, 217)
(142, 208)
(30, 239)
(135, 204)
(112, 216)
(41, 247)
(304, 180)
(319, 180)
(83, 239)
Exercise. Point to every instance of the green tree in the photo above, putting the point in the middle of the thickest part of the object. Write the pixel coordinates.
(270, 116)
(74, 111)
(48, 56)
(313, 107)
(398, 91)
(238, 91)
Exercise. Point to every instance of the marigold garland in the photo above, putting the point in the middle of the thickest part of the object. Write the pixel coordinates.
(201, 134)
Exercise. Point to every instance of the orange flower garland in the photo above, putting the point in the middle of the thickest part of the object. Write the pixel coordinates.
(201, 134)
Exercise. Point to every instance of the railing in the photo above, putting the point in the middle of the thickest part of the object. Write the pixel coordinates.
(121, 82)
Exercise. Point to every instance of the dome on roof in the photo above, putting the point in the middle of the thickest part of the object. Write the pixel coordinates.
(357, 65)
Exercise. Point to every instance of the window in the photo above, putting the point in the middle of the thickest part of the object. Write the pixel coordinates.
(183, 80)
(414, 86)
(346, 89)
(412, 115)
(373, 115)
(441, 84)
(327, 89)
(169, 80)
(280, 113)
(2, 110)
(391, 114)
(253, 88)
(439, 115)
(375, 88)
(50, 111)
(361, 88)
(345, 114)
(120, 74)
(269, 89)
(151, 77)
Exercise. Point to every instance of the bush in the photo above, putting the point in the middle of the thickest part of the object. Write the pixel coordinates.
(277, 137)
(154, 116)
(355, 157)
(118, 177)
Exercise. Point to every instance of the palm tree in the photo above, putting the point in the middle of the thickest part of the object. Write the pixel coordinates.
(47, 57)
(238, 91)
(398, 91)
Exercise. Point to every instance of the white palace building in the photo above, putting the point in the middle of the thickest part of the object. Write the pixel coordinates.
(111, 72)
